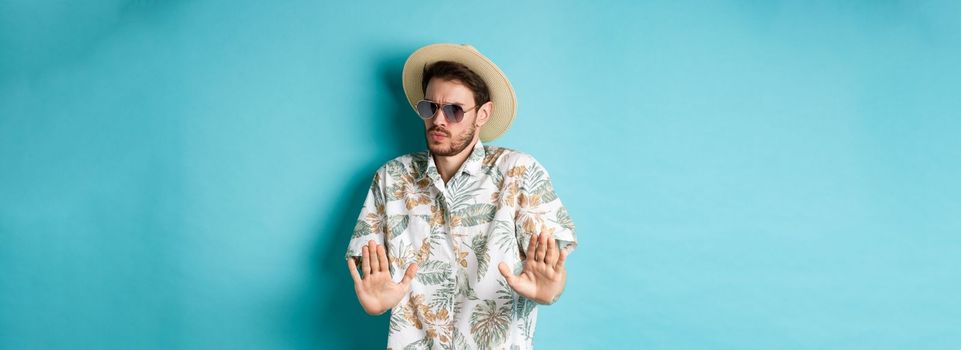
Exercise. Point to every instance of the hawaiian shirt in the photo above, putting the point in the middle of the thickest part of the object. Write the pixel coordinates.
(458, 233)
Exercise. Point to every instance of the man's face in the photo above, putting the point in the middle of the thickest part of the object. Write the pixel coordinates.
(445, 138)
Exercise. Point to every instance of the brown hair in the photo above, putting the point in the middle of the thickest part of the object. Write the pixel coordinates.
(448, 70)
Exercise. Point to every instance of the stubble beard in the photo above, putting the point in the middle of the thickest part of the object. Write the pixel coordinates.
(457, 144)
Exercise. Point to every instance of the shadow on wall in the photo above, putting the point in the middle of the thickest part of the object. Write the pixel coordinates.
(327, 312)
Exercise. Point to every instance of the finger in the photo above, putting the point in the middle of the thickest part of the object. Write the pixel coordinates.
(382, 254)
(353, 269)
(561, 259)
(542, 246)
(531, 245)
(409, 275)
(551, 251)
(365, 261)
(506, 272)
(374, 258)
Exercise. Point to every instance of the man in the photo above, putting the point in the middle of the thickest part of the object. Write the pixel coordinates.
(436, 222)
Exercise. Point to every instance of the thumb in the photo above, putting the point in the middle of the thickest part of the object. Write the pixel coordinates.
(409, 275)
(506, 272)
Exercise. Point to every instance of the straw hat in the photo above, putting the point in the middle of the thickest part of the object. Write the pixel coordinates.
(501, 92)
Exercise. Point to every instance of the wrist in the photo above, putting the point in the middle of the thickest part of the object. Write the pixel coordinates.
(375, 312)
(549, 301)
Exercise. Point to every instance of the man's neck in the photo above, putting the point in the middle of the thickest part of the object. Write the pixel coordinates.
(447, 166)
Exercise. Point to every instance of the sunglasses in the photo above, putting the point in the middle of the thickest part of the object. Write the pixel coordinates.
(427, 109)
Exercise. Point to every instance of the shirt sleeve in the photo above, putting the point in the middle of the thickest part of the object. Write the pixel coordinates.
(372, 221)
(540, 210)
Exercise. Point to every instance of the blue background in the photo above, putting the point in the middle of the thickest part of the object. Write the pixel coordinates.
(743, 174)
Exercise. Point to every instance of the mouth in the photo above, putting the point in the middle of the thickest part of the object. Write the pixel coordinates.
(436, 136)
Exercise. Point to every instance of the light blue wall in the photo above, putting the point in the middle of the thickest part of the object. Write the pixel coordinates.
(743, 174)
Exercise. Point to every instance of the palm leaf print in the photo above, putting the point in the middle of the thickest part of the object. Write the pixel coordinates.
(564, 219)
(442, 296)
(397, 320)
(489, 324)
(535, 177)
(426, 344)
(476, 214)
(458, 307)
(463, 285)
(546, 191)
(459, 342)
(397, 168)
(438, 239)
(376, 191)
(527, 327)
(462, 191)
(523, 307)
(433, 272)
(395, 171)
(418, 162)
(477, 154)
(504, 292)
(397, 224)
(361, 229)
(496, 176)
(479, 245)
(503, 234)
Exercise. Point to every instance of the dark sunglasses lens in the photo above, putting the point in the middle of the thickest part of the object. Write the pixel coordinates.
(454, 113)
(426, 109)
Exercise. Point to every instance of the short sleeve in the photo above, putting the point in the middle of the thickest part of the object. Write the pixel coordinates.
(539, 209)
(372, 221)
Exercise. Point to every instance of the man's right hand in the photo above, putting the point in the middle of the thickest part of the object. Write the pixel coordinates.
(376, 291)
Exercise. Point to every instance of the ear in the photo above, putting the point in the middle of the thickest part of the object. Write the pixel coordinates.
(484, 113)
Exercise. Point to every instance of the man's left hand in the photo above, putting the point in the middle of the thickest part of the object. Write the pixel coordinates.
(544, 276)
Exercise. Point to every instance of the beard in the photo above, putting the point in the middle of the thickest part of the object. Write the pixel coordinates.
(457, 145)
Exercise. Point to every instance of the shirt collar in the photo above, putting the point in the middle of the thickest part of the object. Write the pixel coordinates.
(471, 166)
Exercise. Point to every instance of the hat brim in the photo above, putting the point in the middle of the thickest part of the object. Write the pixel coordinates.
(501, 91)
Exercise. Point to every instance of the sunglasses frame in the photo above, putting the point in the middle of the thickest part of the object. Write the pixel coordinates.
(441, 107)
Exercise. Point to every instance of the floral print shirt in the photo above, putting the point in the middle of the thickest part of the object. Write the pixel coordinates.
(458, 233)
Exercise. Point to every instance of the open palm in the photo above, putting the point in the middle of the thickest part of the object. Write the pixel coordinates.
(376, 291)
(544, 276)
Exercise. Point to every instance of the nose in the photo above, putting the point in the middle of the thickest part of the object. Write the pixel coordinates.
(439, 118)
